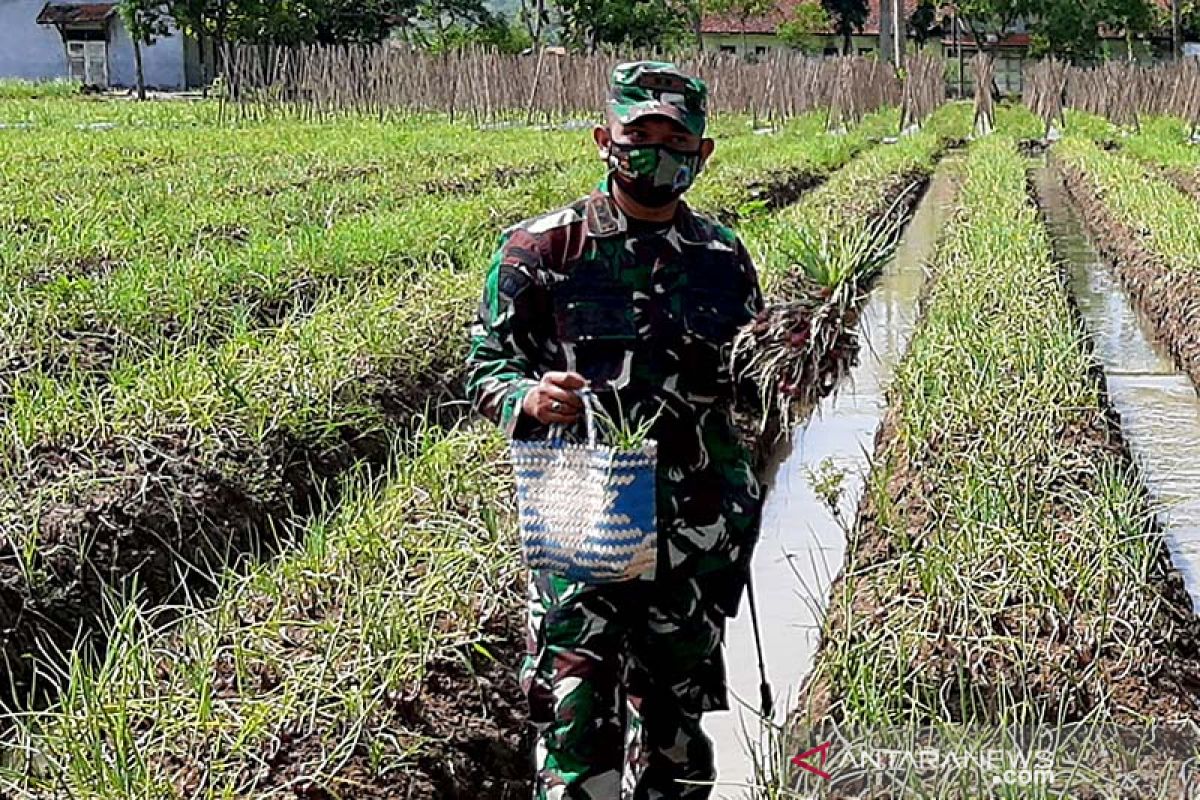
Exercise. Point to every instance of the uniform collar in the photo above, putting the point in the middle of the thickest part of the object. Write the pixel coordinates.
(605, 218)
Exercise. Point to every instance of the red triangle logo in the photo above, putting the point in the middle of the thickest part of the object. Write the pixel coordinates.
(801, 760)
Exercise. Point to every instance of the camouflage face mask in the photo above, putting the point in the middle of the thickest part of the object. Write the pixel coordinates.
(653, 174)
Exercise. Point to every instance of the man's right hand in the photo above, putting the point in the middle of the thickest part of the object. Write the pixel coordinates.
(553, 399)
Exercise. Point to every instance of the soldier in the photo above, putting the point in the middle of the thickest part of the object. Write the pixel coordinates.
(632, 293)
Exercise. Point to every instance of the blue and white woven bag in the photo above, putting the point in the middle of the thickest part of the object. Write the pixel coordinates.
(587, 511)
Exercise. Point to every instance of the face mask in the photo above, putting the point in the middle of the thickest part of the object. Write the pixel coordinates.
(653, 174)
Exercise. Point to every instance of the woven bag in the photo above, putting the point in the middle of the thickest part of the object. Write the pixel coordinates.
(587, 511)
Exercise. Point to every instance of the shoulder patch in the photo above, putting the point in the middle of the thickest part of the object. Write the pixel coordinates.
(603, 219)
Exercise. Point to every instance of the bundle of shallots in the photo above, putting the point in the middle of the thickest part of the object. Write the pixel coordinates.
(802, 345)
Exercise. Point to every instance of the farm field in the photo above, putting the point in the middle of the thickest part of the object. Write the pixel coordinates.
(251, 544)
(1005, 568)
(261, 376)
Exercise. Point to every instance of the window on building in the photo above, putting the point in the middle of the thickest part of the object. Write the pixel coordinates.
(760, 50)
(866, 51)
(729, 48)
(87, 61)
(831, 51)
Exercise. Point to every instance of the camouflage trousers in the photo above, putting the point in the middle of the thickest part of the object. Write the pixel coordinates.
(617, 677)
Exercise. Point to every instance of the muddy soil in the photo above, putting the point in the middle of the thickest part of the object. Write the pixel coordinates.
(1186, 181)
(167, 511)
(1169, 298)
(468, 712)
(785, 189)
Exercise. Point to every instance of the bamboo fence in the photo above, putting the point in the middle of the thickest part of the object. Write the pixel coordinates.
(488, 87)
(1045, 93)
(924, 89)
(1121, 92)
(984, 68)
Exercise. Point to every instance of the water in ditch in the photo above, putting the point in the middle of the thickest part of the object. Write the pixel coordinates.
(803, 544)
(1159, 408)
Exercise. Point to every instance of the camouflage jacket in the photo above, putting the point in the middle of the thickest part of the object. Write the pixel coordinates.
(650, 314)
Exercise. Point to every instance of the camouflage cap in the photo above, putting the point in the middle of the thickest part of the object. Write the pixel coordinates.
(642, 88)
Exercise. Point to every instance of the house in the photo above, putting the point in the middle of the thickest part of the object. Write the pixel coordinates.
(87, 42)
(760, 35)
(757, 36)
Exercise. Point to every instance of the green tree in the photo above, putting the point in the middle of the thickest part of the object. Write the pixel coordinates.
(802, 29)
(989, 20)
(1071, 28)
(1131, 17)
(1190, 19)
(499, 34)
(924, 23)
(146, 21)
(440, 17)
(535, 17)
(292, 22)
(587, 24)
(848, 16)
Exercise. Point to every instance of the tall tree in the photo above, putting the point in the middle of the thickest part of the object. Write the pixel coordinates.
(924, 23)
(990, 20)
(587, 24)
(146, 21)
(1131, 17)
(440, 16)
(849, 17)
(1071, 29)
(1189, 20)
(534, 16)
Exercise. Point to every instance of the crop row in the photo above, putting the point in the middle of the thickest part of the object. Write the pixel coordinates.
(86, 313)
(1149, 230)
(1166, 143)
(335, 722)
(72, 201)
(324, 670)
(1004, 569)
(112, 313)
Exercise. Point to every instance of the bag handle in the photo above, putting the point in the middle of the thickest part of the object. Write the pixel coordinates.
(589, 417)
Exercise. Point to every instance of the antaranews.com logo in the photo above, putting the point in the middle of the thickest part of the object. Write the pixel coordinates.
(1154, 761)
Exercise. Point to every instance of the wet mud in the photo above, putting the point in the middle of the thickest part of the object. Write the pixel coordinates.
(1158, 408)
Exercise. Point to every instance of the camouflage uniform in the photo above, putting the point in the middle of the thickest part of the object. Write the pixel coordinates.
(646, 314)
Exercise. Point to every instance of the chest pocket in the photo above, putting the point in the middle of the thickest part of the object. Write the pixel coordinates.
(713, 314)
(712, 311)
(596, 326)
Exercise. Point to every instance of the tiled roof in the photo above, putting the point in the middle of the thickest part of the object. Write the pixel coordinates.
(61, 13)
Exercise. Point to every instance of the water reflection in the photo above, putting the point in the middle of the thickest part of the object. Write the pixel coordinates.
(1160, 413)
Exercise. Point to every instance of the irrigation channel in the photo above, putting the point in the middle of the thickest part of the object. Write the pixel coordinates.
(1159, 408)
(803, 544)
